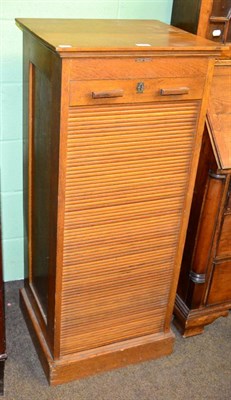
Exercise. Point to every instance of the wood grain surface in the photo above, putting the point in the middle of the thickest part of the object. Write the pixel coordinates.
(73, 35)
(219, 115)
(122, 219)
(121, 173)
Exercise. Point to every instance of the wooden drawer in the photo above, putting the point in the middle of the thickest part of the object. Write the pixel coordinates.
(135, 91)
(224, 247)
(138, 67)
(220, 289)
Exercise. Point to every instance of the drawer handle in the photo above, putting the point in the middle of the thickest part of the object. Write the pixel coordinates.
(108, 94)
(174, 91)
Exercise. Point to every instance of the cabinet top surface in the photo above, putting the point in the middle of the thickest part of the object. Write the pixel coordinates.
(76, 35)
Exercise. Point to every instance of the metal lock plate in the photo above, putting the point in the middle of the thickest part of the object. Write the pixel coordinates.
(140, 87)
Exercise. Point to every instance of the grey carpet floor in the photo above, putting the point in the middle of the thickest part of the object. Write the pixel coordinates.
(198, 369)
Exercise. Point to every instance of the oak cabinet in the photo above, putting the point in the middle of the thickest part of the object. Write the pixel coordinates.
(113, 119)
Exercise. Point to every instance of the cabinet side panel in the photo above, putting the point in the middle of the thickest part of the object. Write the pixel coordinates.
(125, 192)
(42, 81)
(41, 188)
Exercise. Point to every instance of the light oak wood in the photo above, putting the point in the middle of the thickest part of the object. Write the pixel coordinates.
(93, 361)
(154, 90)
(68, 36)
(148, 67)
(116, 188)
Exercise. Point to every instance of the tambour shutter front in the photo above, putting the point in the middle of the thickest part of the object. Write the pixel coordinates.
(126, 179)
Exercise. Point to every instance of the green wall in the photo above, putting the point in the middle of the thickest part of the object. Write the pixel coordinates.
(11, 97)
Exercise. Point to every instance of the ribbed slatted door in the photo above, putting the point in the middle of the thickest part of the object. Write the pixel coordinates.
(126, 179)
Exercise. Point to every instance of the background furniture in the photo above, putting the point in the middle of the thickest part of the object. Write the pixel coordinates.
(204, 289)
(2, 320)
(207, 18)
(113, 118)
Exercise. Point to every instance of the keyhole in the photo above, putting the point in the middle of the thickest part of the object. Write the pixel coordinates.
(140, 87)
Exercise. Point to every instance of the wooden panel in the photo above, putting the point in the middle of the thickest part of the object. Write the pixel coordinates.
(224, 247)
(220, 290)
(137, 67)
(41, 175)
(81, 92)
(127, 174)
(219, 116)
(42, 80)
